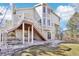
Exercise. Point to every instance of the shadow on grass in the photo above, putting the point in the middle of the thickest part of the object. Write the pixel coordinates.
(43, 50)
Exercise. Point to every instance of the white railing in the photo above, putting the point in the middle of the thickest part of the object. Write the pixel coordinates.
(16, 19)
(20, 17)
(36, 18)
(37, 25)
(32, 17)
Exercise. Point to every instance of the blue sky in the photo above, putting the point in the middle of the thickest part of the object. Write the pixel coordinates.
(23, 5)
(59, 8)
(53, 5)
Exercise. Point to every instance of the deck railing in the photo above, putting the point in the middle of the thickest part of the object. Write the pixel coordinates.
(32, 17)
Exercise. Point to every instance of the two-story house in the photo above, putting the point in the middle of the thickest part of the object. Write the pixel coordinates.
(38, 23)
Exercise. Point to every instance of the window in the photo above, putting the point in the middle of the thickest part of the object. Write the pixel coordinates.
(20, 16)
(44, 21)
(77, 25)
(48, 10)
(40, 21)
(51, 11)
(26, 34)
(48, 22)
(56, 27)
(49, 35)
(77, 36)
(44, 9)
(1, 13)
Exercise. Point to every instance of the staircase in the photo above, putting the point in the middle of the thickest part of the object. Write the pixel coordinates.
(33, 22)
(37, 26)
(38, 29)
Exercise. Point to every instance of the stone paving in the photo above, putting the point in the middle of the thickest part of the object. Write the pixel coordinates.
(8, 50)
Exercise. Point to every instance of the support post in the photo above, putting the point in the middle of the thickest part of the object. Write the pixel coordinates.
(23, 33)
(28, 34)
(46, 16)
(32, 35)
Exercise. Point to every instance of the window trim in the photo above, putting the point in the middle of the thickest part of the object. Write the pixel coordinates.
(48, 35)
(44, 9)
(44, 21)
(48, 23)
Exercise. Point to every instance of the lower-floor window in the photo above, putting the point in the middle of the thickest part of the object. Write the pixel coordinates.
(39, 21)
(26, 34)
(49, 35)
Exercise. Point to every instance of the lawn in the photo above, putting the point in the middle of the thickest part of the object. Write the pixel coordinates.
(74, 49)
(45, 50)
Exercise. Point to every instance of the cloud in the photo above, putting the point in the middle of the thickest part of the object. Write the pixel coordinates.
(65, 13)
(76, 6)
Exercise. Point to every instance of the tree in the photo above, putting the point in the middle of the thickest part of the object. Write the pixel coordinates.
(72, 24)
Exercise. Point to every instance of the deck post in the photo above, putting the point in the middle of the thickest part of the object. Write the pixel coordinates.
(32, 35)
(46, 16)
(28, 34)
(23, 33)
(5, 40)
(0, 37)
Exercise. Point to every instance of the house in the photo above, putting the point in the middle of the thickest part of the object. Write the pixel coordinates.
(38, 23)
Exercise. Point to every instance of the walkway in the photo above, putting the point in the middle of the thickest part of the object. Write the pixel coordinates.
(8, 50)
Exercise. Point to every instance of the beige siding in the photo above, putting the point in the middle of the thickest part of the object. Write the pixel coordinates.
(36, 37)
(18, 34)
(55, 19)
(35, 16)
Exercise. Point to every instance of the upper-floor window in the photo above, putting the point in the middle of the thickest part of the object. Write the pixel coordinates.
(48, 10)
(48, 22)
(44, 9)
(44, 21)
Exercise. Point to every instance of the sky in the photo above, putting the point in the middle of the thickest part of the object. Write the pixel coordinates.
(63, 10)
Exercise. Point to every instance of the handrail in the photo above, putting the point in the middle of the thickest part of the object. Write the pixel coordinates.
(37, 25)
(37, 18)
(34, 19)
